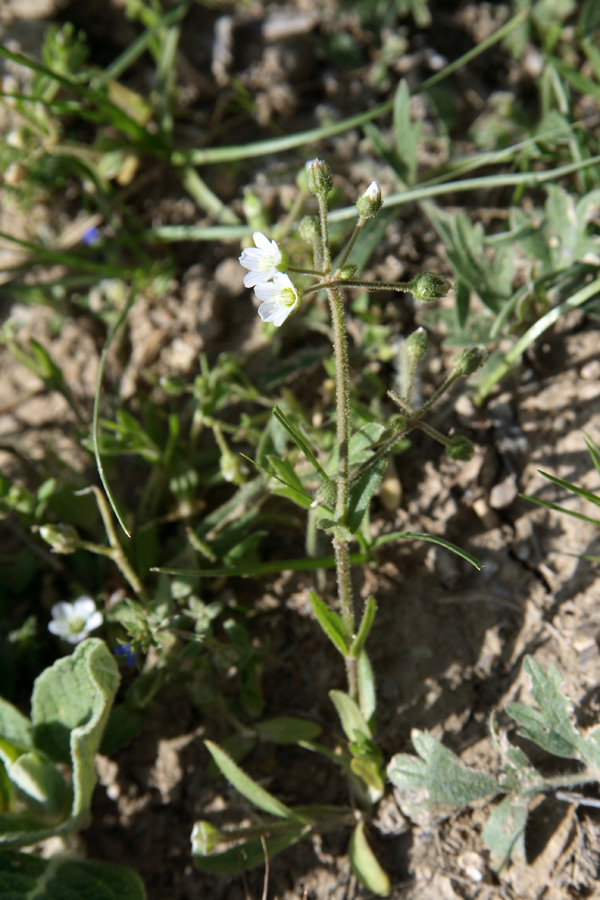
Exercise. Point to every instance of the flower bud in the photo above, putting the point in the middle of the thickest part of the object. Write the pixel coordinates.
(309, 229)
(460, 447)
(320, 179)
(428, 286)
(417, 344)
(62, 538)
(369, 203)
(326, 494)
(348, 271)
(468, 360)
(232, 468)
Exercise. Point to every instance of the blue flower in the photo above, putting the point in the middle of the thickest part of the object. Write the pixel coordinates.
(127, 653)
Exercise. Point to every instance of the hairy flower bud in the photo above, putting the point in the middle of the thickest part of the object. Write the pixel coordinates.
(326, 494)
(348, 271)
(468, 360)
(369, 203)
(460, 447)
(62, 538)
(417, 344)
(320, 179)
(428, 286)
(309, 229)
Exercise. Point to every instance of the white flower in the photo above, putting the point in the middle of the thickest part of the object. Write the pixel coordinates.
(264, 260)
(279, 298)
(73, 621)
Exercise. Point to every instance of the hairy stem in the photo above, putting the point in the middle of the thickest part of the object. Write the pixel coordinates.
(342, 402)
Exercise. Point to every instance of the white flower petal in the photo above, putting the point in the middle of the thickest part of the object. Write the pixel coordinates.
(74, 621)
(279, 298)
(60, 612)
(262, 260)
(84, 607)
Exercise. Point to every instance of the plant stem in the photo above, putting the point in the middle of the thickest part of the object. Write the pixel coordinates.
(350, 244)
(116, 552)
(342, 401)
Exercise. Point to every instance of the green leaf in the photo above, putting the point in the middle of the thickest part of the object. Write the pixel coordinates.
(361, 493)
(594, 451)
(70, 706)
(247, 851)
(364, 630)
(555, 507)
(367, 698)
(365, 864)
(331, 624)
(247, 786)
(287, 730)
(43, 786)
(430, 538)
(437, 782)
(406, 134)
(575, 489)
(551, 726)
(370, 771)
(504, 831)
(352, 719)
(24, 877)
(299, 440)
(14, 726)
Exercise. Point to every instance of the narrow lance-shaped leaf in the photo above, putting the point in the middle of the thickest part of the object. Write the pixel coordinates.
(367, 698)
(364, 630)
(430, 538)
(299, 440)
(331, 624)
(361, 493)
(365, 864)
(248, 849)
(352, 719)
(247, 786)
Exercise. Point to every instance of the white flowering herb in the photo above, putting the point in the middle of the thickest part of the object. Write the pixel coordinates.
(73, 622)
(279, 297)
(264, 260)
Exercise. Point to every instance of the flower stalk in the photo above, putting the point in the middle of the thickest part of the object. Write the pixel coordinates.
(342, 403)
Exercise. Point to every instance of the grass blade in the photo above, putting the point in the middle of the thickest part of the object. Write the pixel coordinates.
(95, 423)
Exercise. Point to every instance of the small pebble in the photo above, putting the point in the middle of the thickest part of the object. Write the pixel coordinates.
(503, 493)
